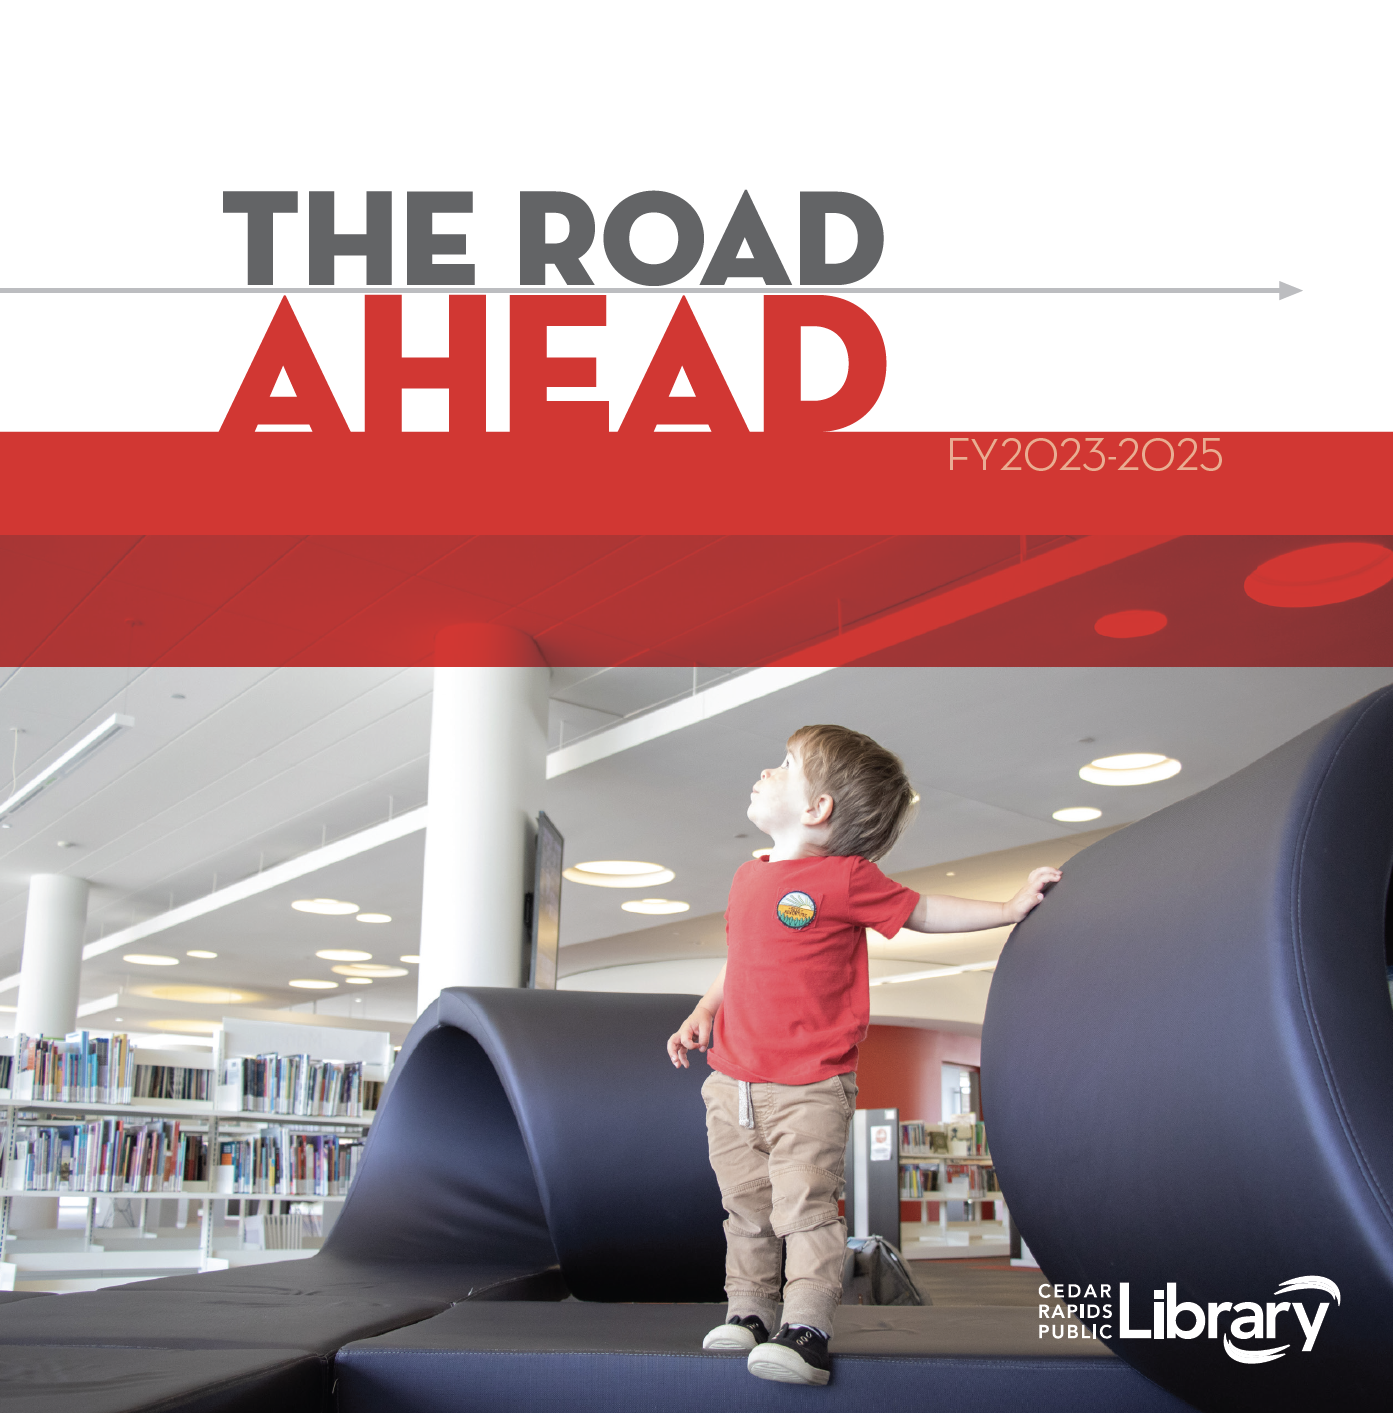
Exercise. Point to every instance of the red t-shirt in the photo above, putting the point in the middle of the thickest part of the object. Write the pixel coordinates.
(797, 999)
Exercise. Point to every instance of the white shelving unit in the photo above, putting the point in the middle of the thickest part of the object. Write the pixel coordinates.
(178, 1109)
(74, 1260)
(946, 1194)
(925, 1240)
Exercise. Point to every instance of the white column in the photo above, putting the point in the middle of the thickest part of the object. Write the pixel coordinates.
(488, 750)
(51, 964)
(49, 970)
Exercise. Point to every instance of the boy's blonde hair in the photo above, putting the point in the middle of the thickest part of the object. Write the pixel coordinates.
(872, 797)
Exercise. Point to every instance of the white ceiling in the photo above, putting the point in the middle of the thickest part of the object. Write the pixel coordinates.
(251, 767)
(587, 699)
(255, 766)
(231, 770)
(992, 751)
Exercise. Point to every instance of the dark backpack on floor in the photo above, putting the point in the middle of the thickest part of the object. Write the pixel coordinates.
(874, 1273)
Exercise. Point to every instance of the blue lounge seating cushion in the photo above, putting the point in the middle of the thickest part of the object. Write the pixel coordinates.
(52, 1379)
(601, 1359)
(328, 1275)
(210, 1320)
(575, 1326)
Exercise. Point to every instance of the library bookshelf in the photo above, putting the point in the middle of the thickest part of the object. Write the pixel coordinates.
(931, 1175)
(222, 1130)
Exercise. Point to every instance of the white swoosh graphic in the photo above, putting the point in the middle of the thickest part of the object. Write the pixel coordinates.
(1310, 1283)
(1254, 1356)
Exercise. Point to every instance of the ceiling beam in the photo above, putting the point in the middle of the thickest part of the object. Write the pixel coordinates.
(686, 711)
(977, 596)
(340, 849)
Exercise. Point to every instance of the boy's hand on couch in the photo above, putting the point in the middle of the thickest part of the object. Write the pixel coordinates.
(1032, 894)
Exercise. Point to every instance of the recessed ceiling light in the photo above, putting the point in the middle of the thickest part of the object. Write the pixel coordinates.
(306, 983)
(1076, 816)
(204, 956)
(654, 905)
(1140, 768)
(343, 954)
(330, 907)
(411, 957)
(1131, 623)
(359, 980)
(176, 696)
(1321, 574)
(200, 995)
(619, 873)
(66, 844)
(363, 969)
(149, 959)
(374, 917)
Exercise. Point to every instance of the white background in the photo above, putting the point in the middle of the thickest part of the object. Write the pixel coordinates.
(1002, 144)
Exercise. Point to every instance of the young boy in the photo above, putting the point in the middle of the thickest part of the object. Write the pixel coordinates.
(782, 1022)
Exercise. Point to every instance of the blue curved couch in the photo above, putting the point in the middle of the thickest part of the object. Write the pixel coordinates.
(513, 1158)
(543, 1130)
(1188, 1067)
(534, 1224)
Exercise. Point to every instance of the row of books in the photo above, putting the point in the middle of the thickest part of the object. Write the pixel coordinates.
(963, 1181)
(923, 1138)
(183, 1082)
(963, 1136)
(281, 1162)
(300, 1085)
(81, 1068)
(105, 1155)
(86, 1068)
(111, 1155)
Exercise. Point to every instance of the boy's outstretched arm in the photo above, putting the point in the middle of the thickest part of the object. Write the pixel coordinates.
(695, 1032)
(936, 912)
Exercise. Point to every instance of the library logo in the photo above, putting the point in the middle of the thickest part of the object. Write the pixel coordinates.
(1246, 1320)
(796, 910)
(1076, 1312)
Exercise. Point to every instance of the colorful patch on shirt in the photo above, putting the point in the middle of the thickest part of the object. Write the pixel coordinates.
(796, 910)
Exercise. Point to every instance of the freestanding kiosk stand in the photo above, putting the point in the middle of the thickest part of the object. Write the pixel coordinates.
(873, 1175)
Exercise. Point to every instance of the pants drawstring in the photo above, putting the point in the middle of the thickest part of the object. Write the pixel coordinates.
(747, 1105)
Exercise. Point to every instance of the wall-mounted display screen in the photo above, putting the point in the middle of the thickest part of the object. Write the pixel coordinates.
(546, 905)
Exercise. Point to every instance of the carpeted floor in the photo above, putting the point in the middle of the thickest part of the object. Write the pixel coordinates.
(991, 1280)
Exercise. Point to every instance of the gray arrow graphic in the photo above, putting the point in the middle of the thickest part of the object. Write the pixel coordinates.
(1281, 289)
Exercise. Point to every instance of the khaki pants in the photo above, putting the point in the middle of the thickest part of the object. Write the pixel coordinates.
(780, 1182)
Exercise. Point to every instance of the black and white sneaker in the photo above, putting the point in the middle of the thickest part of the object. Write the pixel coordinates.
(796, 1355)
(742, 1334)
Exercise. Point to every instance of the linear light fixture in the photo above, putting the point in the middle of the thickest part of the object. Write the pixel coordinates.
(936, 971)
(66, 763)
